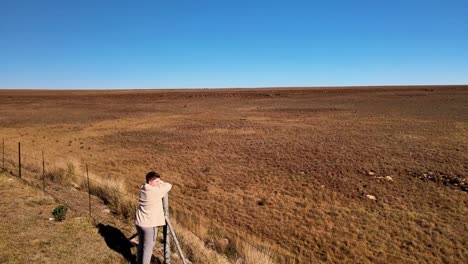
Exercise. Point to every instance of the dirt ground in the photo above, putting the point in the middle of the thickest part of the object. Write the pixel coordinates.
(298, 168)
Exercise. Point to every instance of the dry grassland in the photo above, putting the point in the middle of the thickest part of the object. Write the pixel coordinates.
(27, 235)
(291, 168)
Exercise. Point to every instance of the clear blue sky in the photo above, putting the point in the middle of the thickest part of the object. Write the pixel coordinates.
(196, 43)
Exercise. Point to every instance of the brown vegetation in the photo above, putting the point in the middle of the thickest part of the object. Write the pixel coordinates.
(28, 236)
(291, 167)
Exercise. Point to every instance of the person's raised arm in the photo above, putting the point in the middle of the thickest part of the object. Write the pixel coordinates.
(165, 187)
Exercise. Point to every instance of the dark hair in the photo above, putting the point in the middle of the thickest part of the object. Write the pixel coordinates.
(151, 176)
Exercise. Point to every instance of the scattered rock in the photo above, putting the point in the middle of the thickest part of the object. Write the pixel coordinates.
(387, 178)
(371, 197)
(223, 243)
(454, 181)
(371, 173)
(106, 211)
(210, 244)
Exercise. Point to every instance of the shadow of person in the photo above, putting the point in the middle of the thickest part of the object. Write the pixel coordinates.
(155, 260)
(117, 241)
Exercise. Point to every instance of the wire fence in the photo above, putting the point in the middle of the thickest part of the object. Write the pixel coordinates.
(36, 171)
(35, 176)
(98, 210)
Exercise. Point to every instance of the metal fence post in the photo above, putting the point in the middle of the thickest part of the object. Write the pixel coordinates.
(19, 159)
(167, 238)
(89, 191)
(3, 155)
(179, 249)
(43, 172)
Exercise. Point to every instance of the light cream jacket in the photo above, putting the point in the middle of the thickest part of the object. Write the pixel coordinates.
(150, 211)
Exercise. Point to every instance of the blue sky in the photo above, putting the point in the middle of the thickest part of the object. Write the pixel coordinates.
(187, 44)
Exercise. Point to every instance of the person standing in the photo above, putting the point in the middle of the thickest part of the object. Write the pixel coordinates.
(150, 214)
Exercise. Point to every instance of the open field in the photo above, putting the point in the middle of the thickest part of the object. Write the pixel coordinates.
(292, 167)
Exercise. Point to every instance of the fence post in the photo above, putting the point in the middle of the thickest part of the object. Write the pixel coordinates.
(43, 172)
(167, 238)
(89, 191)
(19, 159)
(3, 155)
(179, 249)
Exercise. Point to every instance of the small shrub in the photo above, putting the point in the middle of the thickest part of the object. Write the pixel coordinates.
(60, 212)
(261, 202)
(56, 174)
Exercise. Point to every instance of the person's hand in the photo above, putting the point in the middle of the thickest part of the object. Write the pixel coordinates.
(159, 182)
(156, 182)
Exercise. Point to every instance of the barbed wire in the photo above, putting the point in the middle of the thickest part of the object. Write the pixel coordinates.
(11, 149)
(47, 155)
(95, 182)
(30, 157)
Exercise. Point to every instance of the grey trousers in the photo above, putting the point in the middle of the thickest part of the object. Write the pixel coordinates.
(146, 239)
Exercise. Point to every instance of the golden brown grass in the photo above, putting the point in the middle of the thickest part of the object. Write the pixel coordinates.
(290, 167)
(195, 249)
(111, 190)
(115, 196)
(228, 243)
(27, 235)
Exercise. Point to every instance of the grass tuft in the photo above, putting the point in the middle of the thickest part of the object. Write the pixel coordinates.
(64, 172)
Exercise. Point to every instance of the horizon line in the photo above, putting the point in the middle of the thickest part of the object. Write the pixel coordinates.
(234, 87)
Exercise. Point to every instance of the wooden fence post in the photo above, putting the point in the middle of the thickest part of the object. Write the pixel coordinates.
(43, 172)
(89, 191)
(167, 238)
(19, 159)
